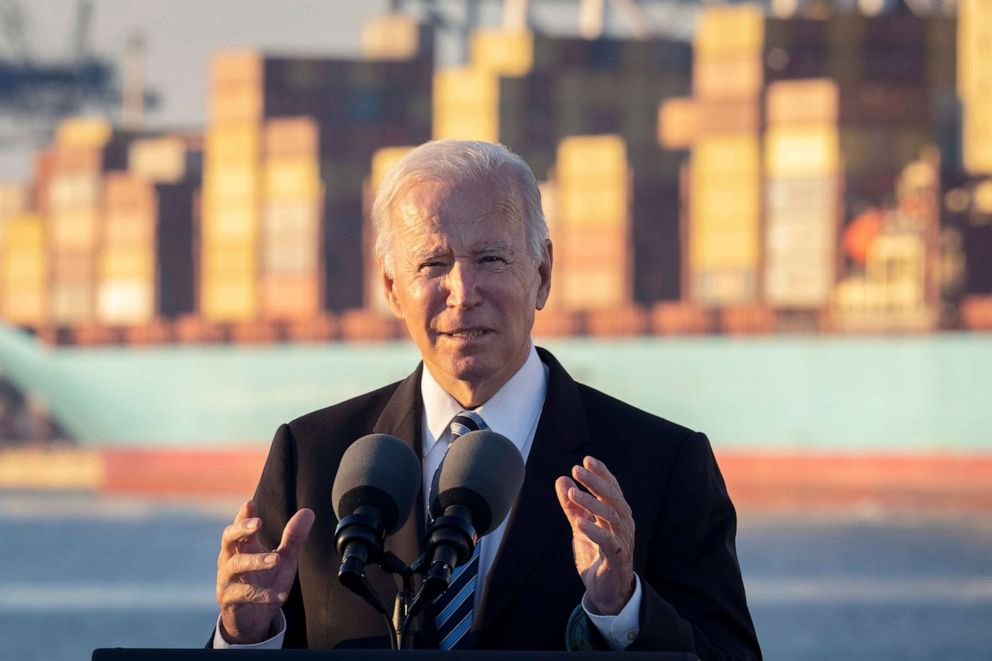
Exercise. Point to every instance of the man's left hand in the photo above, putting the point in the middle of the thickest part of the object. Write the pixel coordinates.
(602, 534)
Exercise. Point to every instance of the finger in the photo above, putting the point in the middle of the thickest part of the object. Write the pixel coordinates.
(572, 511)
(238, 534)
(594, 476)
(594, 507)
(246, 511)
(295, 533)
(243, 563)
(248, 593)
(601, 537)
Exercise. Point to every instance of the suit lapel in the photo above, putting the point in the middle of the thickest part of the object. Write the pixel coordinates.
(537, 519)
(402, 418)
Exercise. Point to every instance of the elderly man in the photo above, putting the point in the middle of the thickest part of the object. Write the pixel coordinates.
(623, 534)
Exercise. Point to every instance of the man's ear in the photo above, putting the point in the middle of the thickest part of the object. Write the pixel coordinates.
(389, 289)
(544, 271)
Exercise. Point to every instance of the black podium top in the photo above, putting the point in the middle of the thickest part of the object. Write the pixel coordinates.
(124, 654)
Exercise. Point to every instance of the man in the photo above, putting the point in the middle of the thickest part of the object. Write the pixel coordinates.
(621, 512)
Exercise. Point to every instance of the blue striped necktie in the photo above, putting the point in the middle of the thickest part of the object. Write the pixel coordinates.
(454, 609)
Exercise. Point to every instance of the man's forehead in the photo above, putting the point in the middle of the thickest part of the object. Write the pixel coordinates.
(430, 203)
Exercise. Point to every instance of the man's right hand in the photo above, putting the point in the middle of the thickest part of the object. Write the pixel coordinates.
(252, 581)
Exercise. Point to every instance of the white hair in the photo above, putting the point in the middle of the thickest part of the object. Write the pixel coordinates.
(458, 161)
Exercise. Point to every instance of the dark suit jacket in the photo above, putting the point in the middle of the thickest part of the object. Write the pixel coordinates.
(693, 597)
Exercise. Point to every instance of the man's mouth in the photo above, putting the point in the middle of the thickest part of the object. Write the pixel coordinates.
(467, 332)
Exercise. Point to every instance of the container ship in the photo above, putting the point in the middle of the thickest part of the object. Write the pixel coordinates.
(789, 220)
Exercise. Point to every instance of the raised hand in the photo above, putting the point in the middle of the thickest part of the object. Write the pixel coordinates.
(253, 581)
(602, 534)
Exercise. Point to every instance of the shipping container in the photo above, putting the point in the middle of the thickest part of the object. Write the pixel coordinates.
(84, 132)
(160, 160)
(292, 138)
(501, 51)
(394, 36)
(729, 31)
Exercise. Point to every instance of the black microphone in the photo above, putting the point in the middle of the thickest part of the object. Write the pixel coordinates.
(480, 478)
(374, 492)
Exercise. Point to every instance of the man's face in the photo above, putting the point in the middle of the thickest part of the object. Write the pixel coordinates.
(465, 283)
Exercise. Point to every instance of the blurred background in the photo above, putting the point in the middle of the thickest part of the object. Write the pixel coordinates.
(772, 222)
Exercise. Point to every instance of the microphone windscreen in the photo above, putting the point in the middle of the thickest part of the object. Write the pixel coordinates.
(482, 471)
(381, 471)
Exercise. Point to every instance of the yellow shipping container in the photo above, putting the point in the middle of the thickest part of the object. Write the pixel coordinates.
(677, 123)
(22, 234)
(466, 86)
(158, 159)
(977, 142)
(230, 222)
(222, 183)
(383, 160)
(23, 267)
(465, 124)
(291, 137)
(585, 206)
(587, 158)
(291, 179)
(713, 250)
(730, 30)
(83, 132)
(229, 299)
(114, 263)
(223, 260)
(125, 301)
(237, 144)
(974, 40)
(503, 52)
(717, 157)
(395, 36)
(75, 229)
(802, 151)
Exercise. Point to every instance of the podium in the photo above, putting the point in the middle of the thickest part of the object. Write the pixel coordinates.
(125, 654)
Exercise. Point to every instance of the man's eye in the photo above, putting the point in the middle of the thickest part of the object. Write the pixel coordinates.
(433, 265)
(493, 259)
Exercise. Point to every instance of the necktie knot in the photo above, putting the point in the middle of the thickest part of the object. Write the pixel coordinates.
(465, 422)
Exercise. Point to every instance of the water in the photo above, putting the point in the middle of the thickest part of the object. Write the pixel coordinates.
(81, 571)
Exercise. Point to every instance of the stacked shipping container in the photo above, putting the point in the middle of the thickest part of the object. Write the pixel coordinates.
(802, 195)
(74, 218)
(724, 206)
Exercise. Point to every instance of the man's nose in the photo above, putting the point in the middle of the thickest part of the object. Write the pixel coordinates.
(463, 290)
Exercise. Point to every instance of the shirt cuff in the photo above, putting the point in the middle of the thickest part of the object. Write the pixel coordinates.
(621, 629)
(273, 643)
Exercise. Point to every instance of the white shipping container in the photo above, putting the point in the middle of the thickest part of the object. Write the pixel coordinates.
(125, 301)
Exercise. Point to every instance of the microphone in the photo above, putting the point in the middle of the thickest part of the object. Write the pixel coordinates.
(480, 478)
(373, 494)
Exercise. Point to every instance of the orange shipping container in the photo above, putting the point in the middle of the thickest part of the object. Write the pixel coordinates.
(729, 78)
(74, 230)
(394, 36)
(592, 246)
(801, 102)
(586, 287)
(72, 302)
(289, 297)
(236, 66)
(292, 138)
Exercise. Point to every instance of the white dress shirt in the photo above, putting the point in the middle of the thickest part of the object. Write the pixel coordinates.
(514, 412)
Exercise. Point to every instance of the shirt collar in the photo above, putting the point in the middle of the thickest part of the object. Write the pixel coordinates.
(510, 412)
